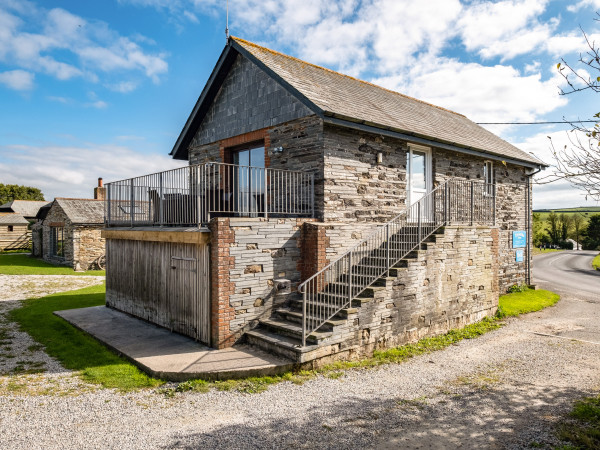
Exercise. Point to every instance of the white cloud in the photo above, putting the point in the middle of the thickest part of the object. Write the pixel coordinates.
(482, 93)
(98, 104)
(558, 194)
(123, 86)
(63, 45)
(505, 29)
(19, 80)
(66, 171)
(593, 4)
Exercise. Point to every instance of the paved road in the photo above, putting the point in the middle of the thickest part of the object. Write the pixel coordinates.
(568, 271)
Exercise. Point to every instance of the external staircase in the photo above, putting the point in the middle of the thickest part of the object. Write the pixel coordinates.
(282, 332)
(325, 311)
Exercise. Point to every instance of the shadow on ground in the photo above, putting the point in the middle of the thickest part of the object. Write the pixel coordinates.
(463, 416)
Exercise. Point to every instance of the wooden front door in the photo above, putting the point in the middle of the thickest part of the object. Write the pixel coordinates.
(188, 291)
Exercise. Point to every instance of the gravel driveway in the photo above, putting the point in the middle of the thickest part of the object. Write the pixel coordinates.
(505, 389)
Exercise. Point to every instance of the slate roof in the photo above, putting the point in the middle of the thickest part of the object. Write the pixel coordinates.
(346, 100)
(82, 210)
(347, 97)
(27, 208)
(13, 219)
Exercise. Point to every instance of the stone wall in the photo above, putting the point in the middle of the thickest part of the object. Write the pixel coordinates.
(359, 194)
(452, 283)
(247, 255)
(356, 188)
(248, 100)
(88, 246)
(511, 204)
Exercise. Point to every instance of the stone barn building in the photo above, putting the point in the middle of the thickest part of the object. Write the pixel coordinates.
(320, 216)
(71, 233)
(14, 232)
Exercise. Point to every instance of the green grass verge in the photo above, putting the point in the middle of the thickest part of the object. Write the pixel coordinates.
(596, 263)
(525, 302)
(583, 431)
(539, 251)
(26, 265)
(74, 349)
(95, 363)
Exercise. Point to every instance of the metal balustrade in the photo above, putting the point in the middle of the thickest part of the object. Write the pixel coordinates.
(192, 195)
(334, 287)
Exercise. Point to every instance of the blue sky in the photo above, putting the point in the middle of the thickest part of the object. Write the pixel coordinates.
(102, 89)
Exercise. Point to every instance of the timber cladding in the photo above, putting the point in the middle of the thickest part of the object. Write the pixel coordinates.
(14, 237)
(162, 282)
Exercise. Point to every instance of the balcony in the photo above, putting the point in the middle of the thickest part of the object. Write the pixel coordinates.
(192, 195)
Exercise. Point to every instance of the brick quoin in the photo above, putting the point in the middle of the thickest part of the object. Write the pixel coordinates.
(220, 264)
(314, 243)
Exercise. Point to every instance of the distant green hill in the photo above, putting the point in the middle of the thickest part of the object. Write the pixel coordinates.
(581, 209)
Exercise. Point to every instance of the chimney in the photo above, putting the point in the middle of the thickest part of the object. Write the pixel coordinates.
(100, 191)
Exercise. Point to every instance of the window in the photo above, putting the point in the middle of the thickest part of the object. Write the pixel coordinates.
(57, 247)
(488, 177)
(10, 228)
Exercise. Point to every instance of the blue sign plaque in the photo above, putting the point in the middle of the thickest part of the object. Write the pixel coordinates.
(519, 255)
(519, 239)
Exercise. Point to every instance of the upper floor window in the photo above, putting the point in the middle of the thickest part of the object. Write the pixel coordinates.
(10, 228)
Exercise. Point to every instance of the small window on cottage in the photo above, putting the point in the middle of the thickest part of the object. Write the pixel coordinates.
(488, 176)
(57, 247)
(10, 228)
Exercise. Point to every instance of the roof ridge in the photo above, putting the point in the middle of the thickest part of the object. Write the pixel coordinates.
(244, 41)
(86, 199)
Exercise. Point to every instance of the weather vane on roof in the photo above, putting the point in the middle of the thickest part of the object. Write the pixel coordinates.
(227, 19)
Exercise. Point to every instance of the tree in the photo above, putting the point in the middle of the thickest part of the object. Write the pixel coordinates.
(537, 229)
(566, 222)
(592, 234)
(579, 163)
(578, 227)
(10, 192)
(553, 227)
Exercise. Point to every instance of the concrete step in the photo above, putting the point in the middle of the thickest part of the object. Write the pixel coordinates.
(296, 305)
(285, 346)
(293, 330)
(293, 316)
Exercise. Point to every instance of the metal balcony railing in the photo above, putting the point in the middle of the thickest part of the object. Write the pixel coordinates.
(334, 287)
(192, 195)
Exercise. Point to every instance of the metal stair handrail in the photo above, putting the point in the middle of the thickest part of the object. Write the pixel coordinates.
(334, 287)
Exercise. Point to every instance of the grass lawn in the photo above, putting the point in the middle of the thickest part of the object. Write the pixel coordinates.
(525, 302)
(583, 430)
(95, 363)
(74, 349)
(596, 262)
(539, 251)
(11, 264)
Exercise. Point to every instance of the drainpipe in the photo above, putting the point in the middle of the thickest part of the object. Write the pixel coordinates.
(528, 220)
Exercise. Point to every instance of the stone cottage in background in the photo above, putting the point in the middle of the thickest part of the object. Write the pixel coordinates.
(320, 217)
(69, 232)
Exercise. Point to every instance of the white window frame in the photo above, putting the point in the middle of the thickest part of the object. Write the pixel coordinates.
(428, 169)
(488, 177)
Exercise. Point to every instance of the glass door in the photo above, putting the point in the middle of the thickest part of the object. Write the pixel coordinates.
(419, 179)
(249, 179)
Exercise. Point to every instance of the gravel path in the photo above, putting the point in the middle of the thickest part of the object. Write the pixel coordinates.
(19, 354)
(505, 389)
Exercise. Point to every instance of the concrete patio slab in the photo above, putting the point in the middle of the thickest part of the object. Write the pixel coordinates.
(171, 356)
